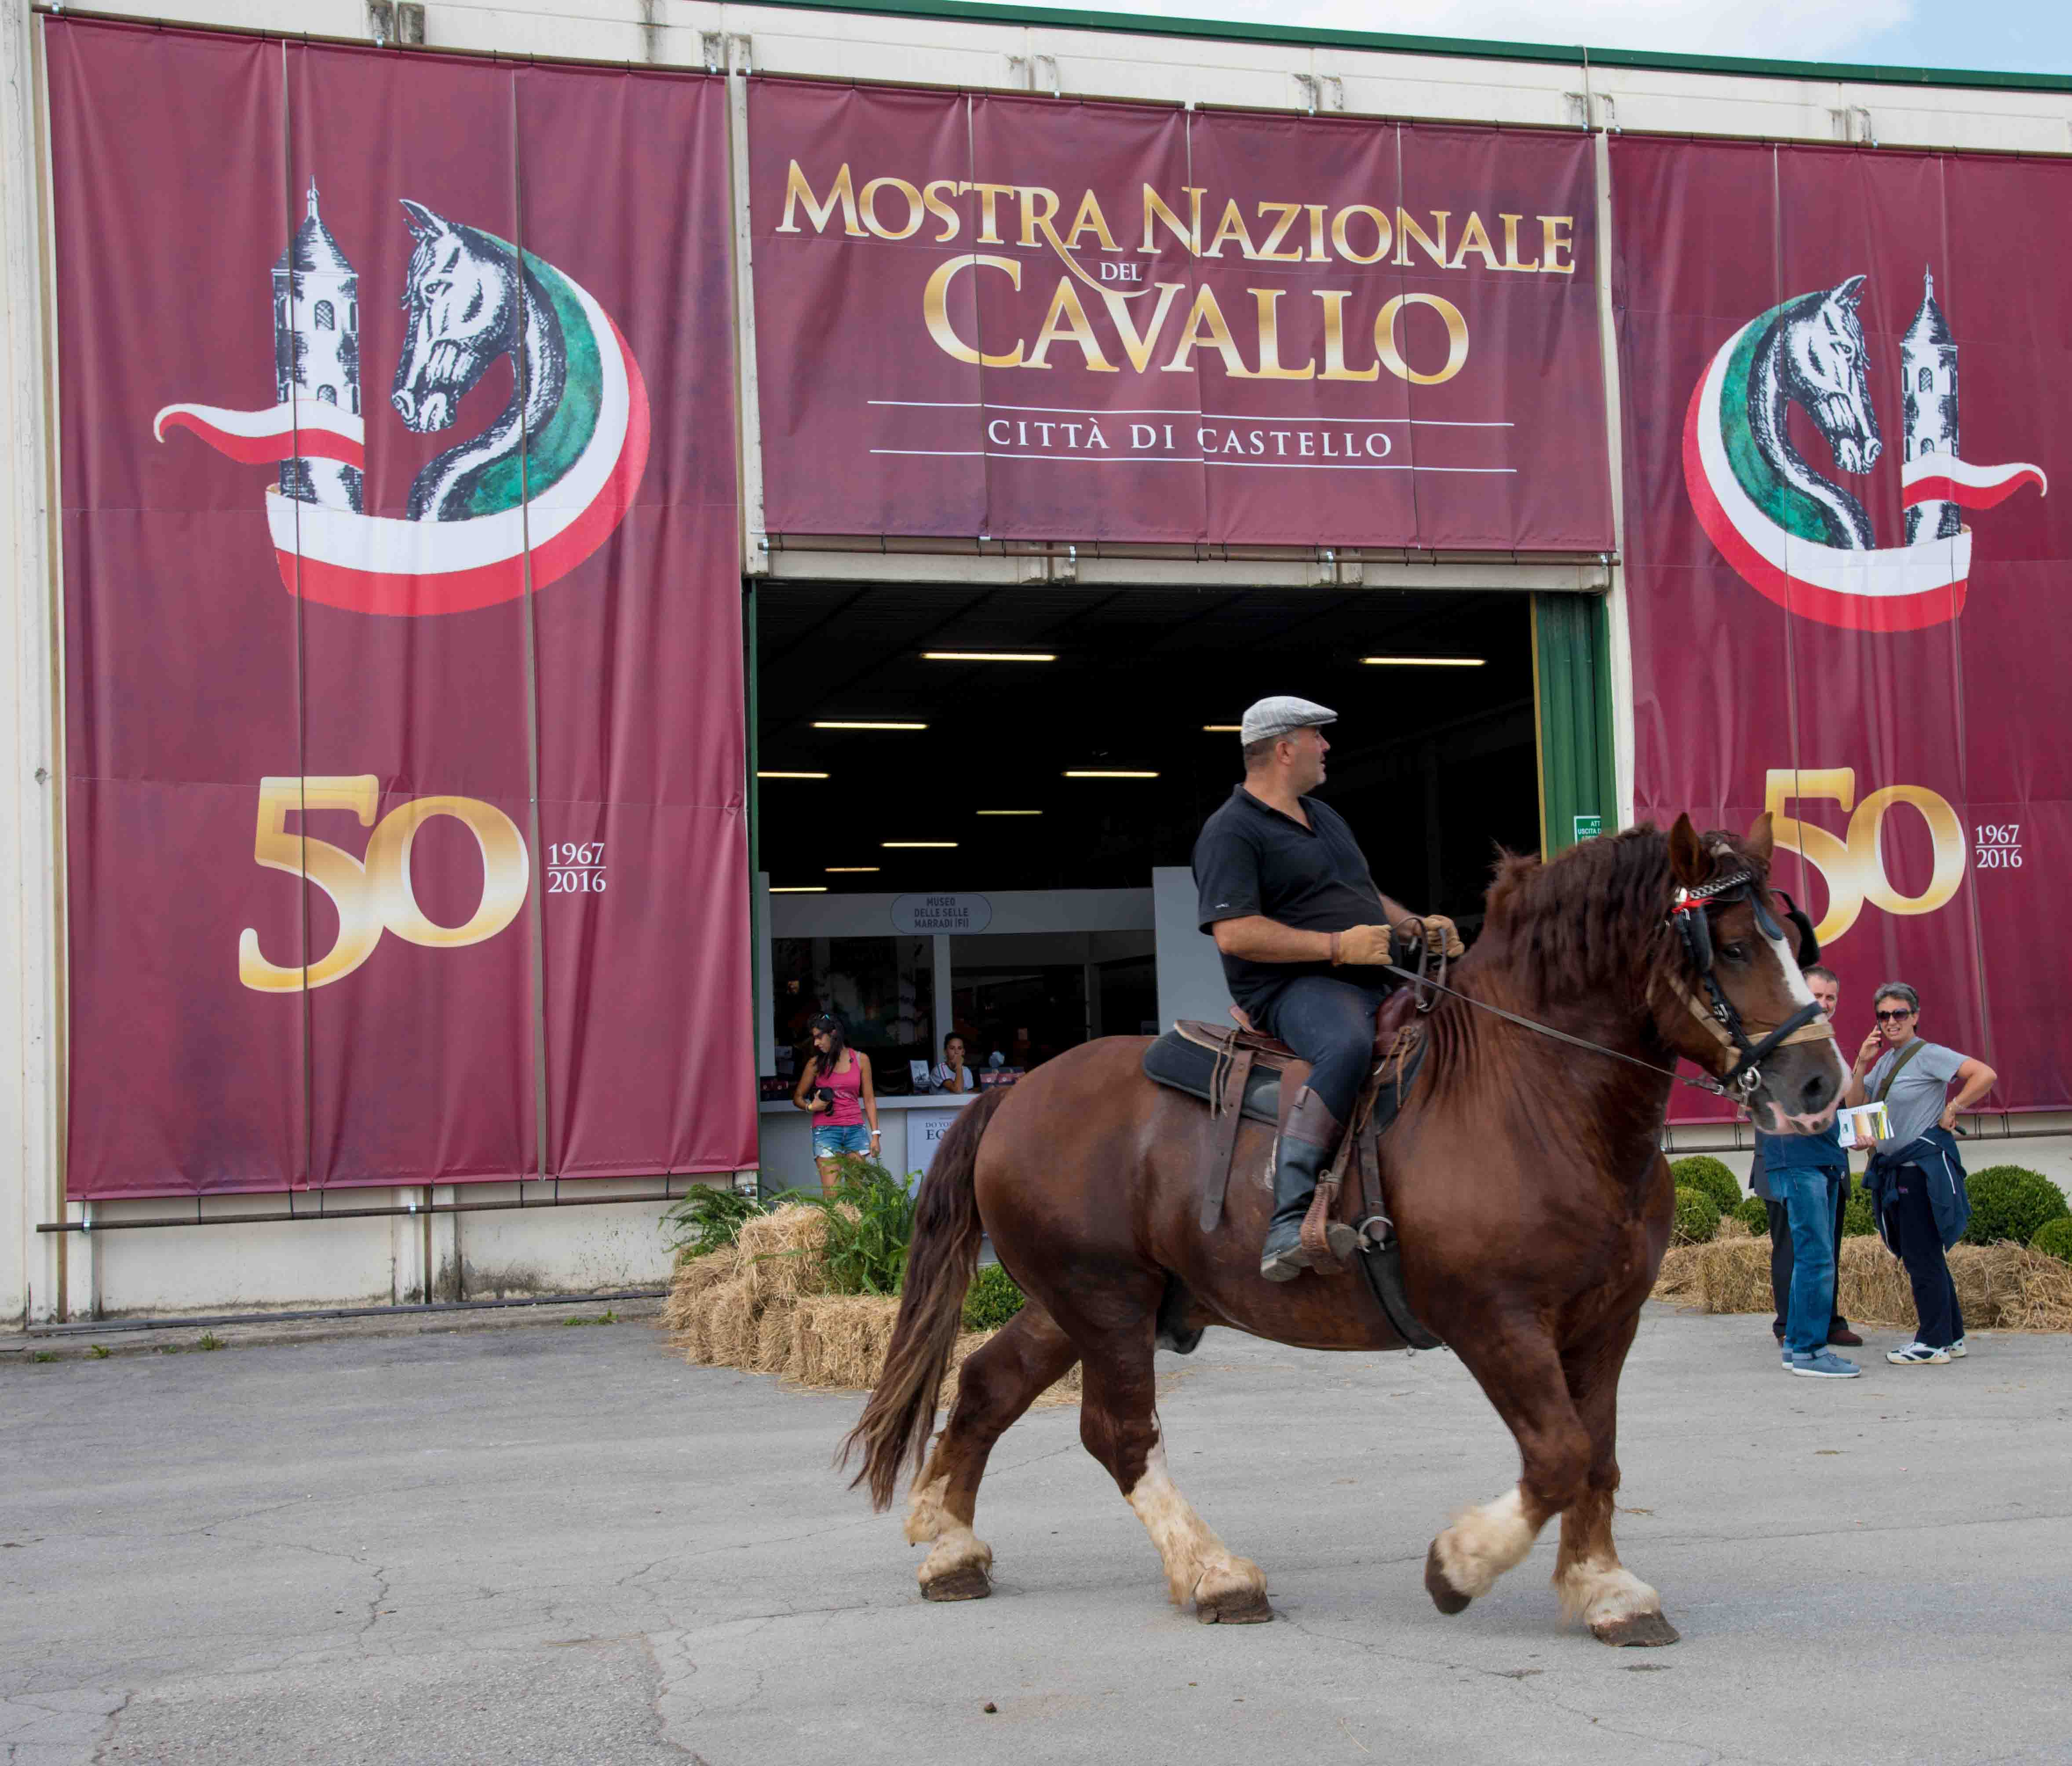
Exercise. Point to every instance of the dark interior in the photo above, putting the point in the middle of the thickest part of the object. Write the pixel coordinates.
(1434, 767)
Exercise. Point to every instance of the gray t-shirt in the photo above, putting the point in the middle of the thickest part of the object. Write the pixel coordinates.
(1919, 1095)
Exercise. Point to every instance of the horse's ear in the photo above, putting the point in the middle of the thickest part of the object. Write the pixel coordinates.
(1850, 292)
(1759, 841)
(1687, 862)
(424, 224)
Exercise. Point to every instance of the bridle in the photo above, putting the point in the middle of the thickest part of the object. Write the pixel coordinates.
(1806, 1024)
(1426, 972)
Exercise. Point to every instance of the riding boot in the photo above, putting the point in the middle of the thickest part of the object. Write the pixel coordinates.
(1305, 1149)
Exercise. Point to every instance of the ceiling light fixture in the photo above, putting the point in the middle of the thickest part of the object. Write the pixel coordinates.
(862, 724)
(1223, 728)
(1010, 812)
(797, 889)
(1104, 772)
(932, 844)
(833, 868)
(987, 656)
(1424, 662)
(761, 774)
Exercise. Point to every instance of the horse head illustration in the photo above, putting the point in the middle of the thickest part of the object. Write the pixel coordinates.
(471, 301)
(1813, 355)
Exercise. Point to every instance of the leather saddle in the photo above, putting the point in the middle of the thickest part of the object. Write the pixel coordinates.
(1241, 1073)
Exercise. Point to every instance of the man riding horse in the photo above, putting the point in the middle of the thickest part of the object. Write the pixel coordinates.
(1288, 897)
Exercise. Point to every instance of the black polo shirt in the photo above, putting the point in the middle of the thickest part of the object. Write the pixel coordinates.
(1250, 859)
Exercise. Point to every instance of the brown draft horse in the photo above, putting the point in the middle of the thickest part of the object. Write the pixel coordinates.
(1525, 1176)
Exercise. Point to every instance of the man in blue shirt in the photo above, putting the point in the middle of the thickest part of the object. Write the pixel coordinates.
(1804, 1179)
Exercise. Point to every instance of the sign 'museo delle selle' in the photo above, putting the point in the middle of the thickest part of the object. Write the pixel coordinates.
(963, 303)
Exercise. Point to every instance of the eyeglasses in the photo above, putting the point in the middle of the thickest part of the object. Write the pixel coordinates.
(1893, 1017)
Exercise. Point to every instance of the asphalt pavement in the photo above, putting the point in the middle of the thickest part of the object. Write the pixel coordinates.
(539, 1543)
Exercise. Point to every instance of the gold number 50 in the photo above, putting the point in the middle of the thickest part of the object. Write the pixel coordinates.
(374, 894)
(1854, 866)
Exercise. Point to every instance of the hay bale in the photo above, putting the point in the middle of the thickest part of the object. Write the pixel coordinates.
(780, 1252)
(774, 1333)
(840, 1340)
(2004, 1287)
(694, 1276)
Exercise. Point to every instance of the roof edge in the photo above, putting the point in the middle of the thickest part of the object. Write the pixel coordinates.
(1561, 54)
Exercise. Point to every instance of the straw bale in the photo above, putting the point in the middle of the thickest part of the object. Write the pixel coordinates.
(1999, 1287)
(1731, 1226)
(779, 1252)
(693, 1276)
(774, 1333)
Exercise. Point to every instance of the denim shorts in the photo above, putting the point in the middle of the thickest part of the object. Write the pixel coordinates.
(829, 1140)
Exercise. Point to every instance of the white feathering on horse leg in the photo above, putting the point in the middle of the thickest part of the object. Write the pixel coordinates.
(1484, 1542)
(1197, 1564)
(1601, 1591)
(957, 1549)
(924, 1510)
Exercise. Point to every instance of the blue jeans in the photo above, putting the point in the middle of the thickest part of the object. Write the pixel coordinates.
(1329, 1023)
(1808, 1195)
(1910, 1217)
(829, 1141)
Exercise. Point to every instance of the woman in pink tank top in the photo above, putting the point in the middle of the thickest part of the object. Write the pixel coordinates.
(836, 1089)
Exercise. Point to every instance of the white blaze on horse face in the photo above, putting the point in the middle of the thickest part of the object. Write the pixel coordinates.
(1781, 1122)
(1196, 1562)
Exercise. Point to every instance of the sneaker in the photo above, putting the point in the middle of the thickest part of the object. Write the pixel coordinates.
(1916, 1355)
(1958, 1352)
(1821, 1365)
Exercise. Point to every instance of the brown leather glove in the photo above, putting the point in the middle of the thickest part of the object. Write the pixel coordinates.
(1440, 934)
(1360, 944)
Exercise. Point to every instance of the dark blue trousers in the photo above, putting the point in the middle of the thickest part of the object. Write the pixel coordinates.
(1329, 1023)
(1910, 1218)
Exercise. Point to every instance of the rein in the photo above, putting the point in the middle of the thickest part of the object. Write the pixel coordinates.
(1741, 1080)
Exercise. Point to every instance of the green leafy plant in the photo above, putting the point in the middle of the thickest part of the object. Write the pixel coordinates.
(1751, 1212)
(211, 1340)
(708, 1219)
(870, 1222)
(101, 1352)
(44, 1355)
(1697, 1220)
(992, 1300)
(2011, 1202)
(1708, 1176)
(1859, 1218)
(606, 1317)
(2053, 1239)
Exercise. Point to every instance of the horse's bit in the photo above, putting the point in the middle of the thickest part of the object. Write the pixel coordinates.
(1689, 917)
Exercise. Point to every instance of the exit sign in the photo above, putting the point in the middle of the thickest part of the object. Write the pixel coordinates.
(1588, 827)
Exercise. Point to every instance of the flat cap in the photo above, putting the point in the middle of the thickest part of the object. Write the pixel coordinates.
(1277, 716)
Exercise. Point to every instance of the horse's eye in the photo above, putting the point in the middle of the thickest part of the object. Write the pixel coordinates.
(1735, 953)
(438, 287)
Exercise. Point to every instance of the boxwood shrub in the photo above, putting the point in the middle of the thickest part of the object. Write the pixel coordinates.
(1710, 1177)
(2053, 1239)
(1858, 1219)
(2011, 1202)
(1697, 1219)
(1751, 1213)
(992, 1300)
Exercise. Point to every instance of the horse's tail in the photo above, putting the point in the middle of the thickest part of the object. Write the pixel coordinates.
(896, 1422)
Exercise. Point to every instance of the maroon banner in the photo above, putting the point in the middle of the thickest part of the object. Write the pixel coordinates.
(1042, 319)
(405, 752)
(1846, 375)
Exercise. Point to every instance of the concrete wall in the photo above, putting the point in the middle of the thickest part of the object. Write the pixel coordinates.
(577, 1248)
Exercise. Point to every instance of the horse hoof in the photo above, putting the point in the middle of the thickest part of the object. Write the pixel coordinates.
(1235, 1607)
(1445, 1596)
(1637, 1631)
(968, 1584)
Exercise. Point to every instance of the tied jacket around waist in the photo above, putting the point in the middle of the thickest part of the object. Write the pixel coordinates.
(1934, 1156)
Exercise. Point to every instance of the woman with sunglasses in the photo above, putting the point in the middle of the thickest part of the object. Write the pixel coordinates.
(1916, 1178)
(836, 1089)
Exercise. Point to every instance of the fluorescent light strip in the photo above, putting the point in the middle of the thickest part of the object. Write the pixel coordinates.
(1010, 812)
(833, 868)
(1108, 773)
(857, 724)
(931, 843)
(1223, 728)
(987, 656)
(791, 775)
(1424, 662)
(797, 889)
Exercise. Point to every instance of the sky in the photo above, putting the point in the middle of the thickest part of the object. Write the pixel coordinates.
(2017, 36)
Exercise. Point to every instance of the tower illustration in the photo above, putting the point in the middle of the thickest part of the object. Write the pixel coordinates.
(316, 351)
(1928, 365)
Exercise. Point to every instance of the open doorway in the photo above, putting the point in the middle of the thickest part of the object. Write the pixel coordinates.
(909, 749)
